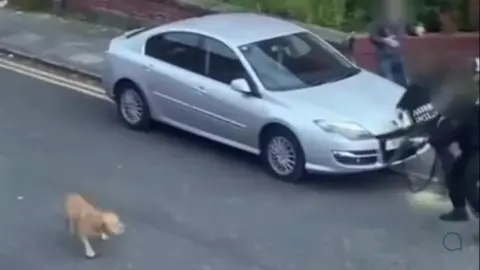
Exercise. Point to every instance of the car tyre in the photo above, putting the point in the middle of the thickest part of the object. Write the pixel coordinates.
(132, 107)
(282, 155)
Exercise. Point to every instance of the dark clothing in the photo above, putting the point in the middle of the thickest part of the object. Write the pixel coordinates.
(380, 30)
(447, 159)
(456, 181)
(461, 127)
(463, 130)
(390, 58)
(465, 133)
(393, 68)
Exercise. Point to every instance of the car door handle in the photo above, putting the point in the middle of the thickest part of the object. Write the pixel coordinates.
(148, 67)
(201, 89)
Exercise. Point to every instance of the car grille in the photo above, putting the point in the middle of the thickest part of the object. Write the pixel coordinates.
(357, 158)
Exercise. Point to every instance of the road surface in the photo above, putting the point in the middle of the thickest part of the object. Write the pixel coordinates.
(190, 204)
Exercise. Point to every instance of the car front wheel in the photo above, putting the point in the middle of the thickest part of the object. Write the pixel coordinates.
(283, 155)
(132, 107)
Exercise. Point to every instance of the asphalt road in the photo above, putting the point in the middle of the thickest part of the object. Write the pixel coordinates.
(190, 204)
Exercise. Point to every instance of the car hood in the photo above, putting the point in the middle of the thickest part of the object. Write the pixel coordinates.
(365, 98)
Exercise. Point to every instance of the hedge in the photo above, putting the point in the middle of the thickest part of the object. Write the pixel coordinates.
(32, 5)
(356, 14)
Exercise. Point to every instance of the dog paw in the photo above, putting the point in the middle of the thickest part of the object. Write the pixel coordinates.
(104, 237)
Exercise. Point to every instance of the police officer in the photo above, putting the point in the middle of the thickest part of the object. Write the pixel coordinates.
(463, 130)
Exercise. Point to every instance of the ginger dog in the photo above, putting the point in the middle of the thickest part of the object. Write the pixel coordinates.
(86, 221)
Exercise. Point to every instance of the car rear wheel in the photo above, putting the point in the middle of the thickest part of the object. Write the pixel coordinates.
(132, 107)
(283, 155)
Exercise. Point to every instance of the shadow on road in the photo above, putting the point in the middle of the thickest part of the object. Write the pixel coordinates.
(380, 180)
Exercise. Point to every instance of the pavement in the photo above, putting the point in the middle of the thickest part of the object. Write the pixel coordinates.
(189, 204)
(74, 44)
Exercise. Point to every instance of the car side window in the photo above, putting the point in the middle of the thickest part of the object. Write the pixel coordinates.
(180, 49)
(222, 64)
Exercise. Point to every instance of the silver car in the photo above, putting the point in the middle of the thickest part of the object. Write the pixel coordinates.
(260, 84)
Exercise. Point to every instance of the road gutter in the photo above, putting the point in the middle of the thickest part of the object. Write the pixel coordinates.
(53, 64)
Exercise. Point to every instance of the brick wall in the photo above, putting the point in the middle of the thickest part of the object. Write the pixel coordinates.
(427, 53)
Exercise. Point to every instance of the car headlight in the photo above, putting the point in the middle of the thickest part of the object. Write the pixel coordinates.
(349, 130)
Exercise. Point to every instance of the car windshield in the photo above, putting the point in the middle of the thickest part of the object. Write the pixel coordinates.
(296, 61)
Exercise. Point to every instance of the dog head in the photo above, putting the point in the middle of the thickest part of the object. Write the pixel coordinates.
(112, 223)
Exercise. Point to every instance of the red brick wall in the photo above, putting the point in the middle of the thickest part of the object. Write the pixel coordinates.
(426, 53)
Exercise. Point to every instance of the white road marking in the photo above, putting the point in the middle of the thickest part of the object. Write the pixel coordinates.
(54, 79)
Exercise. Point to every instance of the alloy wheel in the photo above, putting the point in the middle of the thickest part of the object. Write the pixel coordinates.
(131, 106)
(281, 156)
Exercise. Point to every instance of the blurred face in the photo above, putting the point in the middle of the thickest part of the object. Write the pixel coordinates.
(112, 224)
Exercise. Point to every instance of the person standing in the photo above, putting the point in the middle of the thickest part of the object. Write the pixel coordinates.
(460, 125)
(465, 134)
(386, 39)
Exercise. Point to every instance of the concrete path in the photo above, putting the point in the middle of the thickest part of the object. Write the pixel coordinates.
(77, 45)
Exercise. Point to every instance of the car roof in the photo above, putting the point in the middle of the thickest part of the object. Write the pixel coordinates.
(235, 29)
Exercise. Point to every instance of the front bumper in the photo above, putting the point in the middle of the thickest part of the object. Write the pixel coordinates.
(361, 156)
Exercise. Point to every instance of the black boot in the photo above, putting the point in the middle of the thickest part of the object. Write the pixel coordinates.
(457, 214)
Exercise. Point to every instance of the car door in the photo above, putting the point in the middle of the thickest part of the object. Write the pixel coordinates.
(224, 112)
(175, 68)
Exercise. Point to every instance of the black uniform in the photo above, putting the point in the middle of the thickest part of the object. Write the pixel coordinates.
(461, 127)
(464, 132)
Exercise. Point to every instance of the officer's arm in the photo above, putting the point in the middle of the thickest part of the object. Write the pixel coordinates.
(446, 133)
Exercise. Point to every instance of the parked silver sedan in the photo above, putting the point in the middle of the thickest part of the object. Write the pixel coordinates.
(260, 84)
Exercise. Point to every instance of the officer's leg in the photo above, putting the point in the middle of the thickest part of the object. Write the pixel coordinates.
(456, 191)
(447, 158)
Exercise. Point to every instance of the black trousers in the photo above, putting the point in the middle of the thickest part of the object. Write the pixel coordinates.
(456, 181)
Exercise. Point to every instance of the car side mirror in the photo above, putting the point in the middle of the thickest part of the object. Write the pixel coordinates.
(241, 85)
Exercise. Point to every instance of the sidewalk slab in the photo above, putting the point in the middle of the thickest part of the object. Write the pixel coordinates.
(73, 44)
